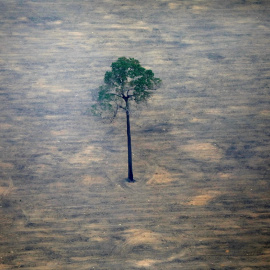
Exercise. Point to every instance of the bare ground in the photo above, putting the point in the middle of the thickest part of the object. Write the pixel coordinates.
(201, 145)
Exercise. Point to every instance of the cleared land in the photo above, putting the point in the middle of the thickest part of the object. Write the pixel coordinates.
(201, 145)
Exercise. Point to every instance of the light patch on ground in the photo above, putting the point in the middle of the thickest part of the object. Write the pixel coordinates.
(187, 40)
(198, 9)
(39, 168)
(137, 237)
(49, 117)
(88, 155)
(6, 165)
(145, 263)
(55, 22)
(205, 151)
(195, 175)
(42, 84)
(5, 126)
(76, 34)
(263, 148)
(3, 267)
(4, 191)
(161, 176)
(198, 120)
(173, 5)
(239, 109)
(59, 132)
(224, 175)
(183, 254)
(267, 251)
(203, 199)
(142, 25)
(214, 111)
(58, 89)
(89, 180)
(99, 239)
(23, 19)
(265, 113)
(57, 186)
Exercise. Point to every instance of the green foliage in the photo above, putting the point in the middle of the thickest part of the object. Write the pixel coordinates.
(127, 80)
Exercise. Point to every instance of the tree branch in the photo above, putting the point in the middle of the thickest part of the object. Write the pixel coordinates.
(122, 107)
(116, 95)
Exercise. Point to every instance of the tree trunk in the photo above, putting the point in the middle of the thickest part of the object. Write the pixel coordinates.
(130, 170)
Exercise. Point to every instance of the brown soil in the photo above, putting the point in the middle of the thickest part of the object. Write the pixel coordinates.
(200, 145)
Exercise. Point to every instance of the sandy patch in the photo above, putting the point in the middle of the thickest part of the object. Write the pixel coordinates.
(5, 126)
(224, 175)
(265, 113)
(214, 111)
(59, 132)
(198, 120)
(139, 25)
(99, 239)
(4, 191)
(49, 117)
(135, 237)
(2, 267)
(6, 165)
(203, 199)
(40, 168)
(184, 253)
(58, 89)
(56, 186)
(198, 9)
(239, 109)
(42, 84)
(88, 155)
(55, 22)
(188, 40)
(173, 5)
(204, 151)
(267, 251)
(196, 175)
(76, 34)
(161, 176)
(89, 180)
(23, 19)
(145, 263)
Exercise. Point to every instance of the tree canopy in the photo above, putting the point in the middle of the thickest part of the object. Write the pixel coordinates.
(126, 80)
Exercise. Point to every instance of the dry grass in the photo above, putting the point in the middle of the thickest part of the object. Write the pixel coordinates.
(161, 176)
(6, 165)
(139, 237)
(203, 199)
(201, 154)
(202, 150)
(145, 263)
(89, 180)
(90, 154)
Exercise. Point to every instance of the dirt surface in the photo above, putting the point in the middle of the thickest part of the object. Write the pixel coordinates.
(201, 145)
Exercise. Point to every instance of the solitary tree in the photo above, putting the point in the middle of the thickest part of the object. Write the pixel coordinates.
(127, 81)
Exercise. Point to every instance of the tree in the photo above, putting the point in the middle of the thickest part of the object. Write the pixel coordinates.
(127, 81)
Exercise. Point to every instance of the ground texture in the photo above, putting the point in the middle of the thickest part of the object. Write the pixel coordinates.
(201, 145)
